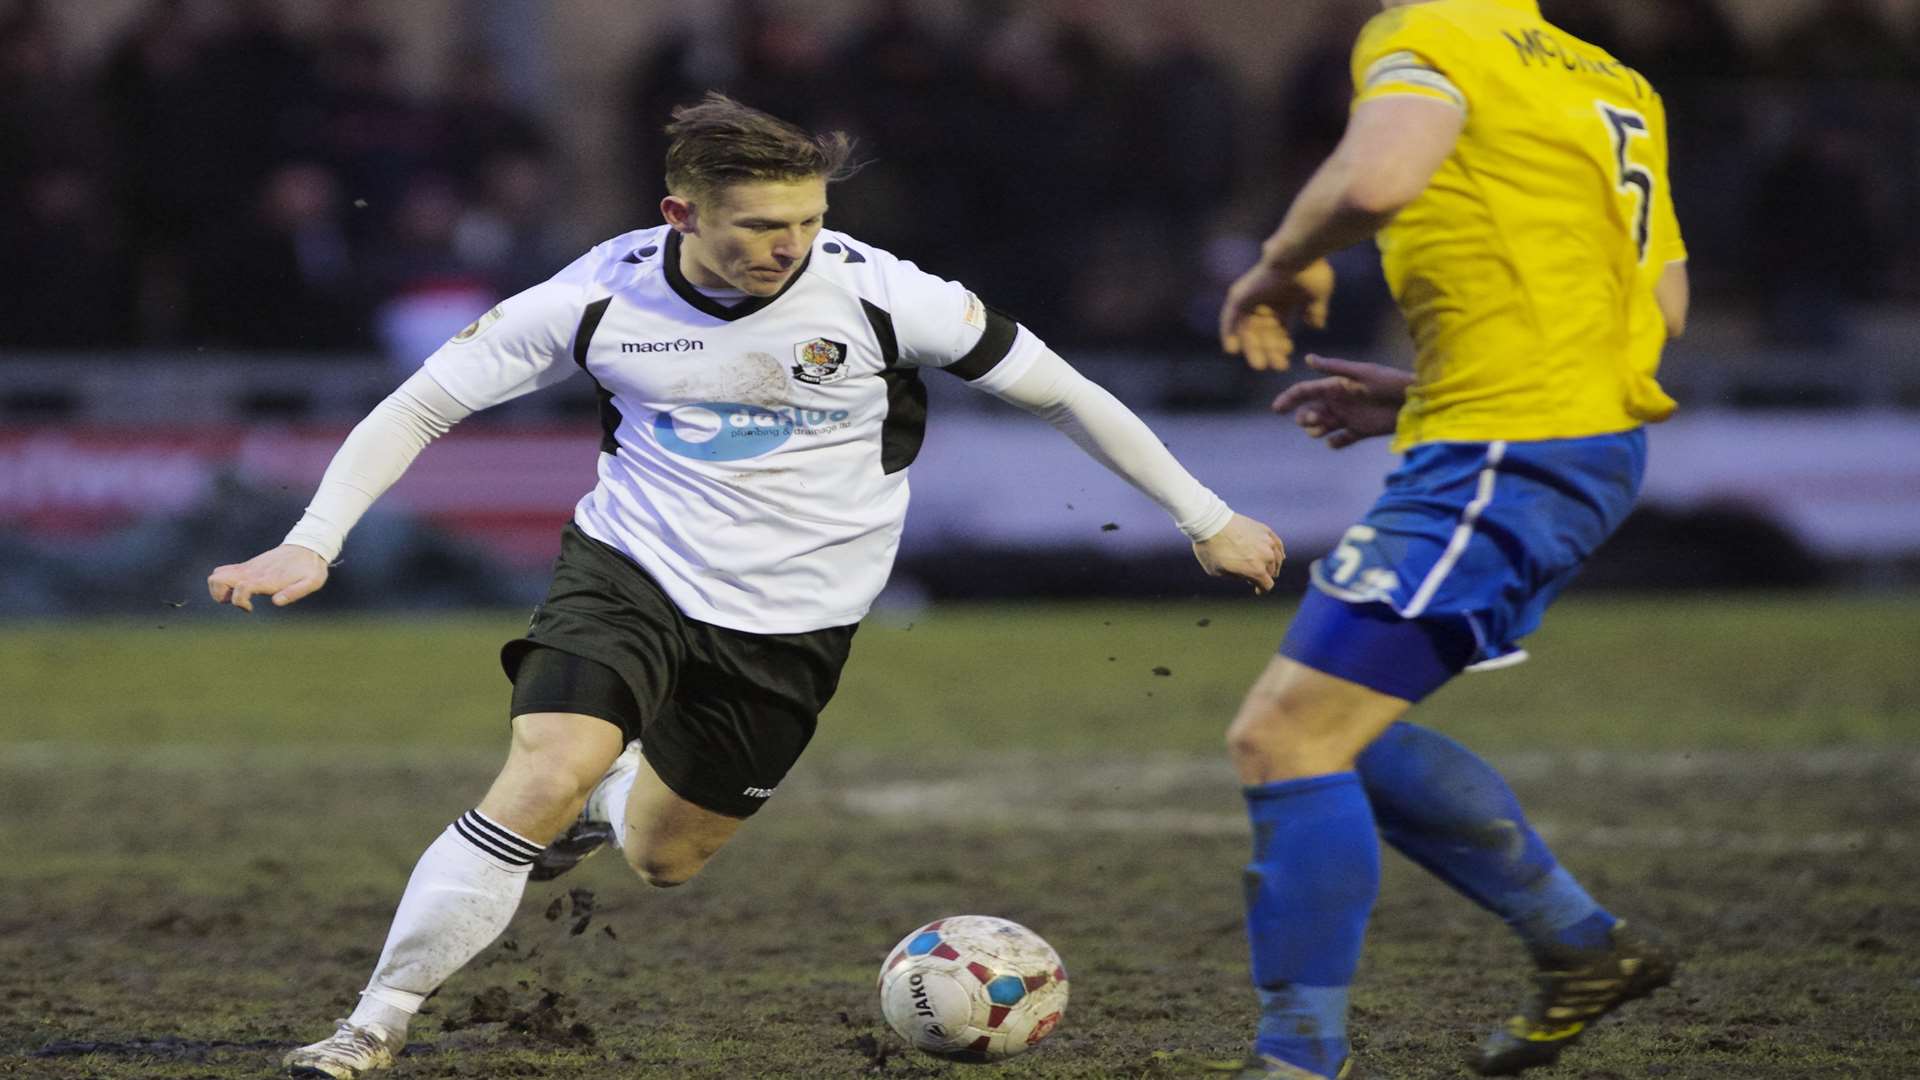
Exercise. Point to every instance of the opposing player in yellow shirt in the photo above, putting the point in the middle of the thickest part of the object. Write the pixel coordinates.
(1515, 178)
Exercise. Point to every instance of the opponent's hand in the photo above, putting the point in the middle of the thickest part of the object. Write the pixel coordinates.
(1358, 401)
(1245, 549)
(287, 573)
(1253, 321)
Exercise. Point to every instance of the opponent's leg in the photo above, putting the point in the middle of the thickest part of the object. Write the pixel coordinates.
(1445, 808)
(465, 888)
(1449, 811)
(1316, 862)
(1436, 801)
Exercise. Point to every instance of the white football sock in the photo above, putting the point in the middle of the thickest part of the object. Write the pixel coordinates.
(463, 892)
(613, 798)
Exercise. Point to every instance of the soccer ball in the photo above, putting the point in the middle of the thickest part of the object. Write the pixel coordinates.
(973, 988)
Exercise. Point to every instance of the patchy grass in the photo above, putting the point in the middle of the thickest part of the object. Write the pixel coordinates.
(209, 825)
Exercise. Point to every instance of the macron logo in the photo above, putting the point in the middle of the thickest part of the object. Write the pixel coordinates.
(758, 793)
(676, 345)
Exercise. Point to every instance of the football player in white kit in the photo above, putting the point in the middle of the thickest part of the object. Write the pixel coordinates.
(761, 401)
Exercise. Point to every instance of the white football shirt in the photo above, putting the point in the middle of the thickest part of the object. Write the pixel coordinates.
(754, 456)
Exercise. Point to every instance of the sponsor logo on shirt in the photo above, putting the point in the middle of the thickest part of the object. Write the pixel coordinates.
(733, 431)
(820, 361)
(676, 345)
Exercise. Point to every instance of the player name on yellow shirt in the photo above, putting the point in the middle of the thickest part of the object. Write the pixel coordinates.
(1537, 46)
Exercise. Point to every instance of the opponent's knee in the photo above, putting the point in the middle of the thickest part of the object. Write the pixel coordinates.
(1282, 736)
(1246, 737)
(1266, 721)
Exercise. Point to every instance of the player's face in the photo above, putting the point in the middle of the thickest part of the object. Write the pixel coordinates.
(754, 235)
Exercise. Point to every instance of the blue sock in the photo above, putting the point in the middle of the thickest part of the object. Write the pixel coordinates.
(1311, 885)
(1443, 807)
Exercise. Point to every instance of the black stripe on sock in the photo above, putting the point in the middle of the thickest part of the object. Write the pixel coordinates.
(501, 834)
(488, 846)
(485, 846)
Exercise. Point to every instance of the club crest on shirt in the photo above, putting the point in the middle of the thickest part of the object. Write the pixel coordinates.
(477, 326)
(820, 361)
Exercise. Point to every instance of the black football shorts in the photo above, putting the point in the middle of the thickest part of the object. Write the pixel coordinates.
(721, 714)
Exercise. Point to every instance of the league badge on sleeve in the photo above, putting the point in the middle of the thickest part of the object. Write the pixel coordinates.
(976, 313)
(478, 326)
(820, 361)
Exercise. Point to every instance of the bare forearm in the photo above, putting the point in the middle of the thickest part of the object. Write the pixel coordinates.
(1673, 293)
(1326, 217)
(1392, 148)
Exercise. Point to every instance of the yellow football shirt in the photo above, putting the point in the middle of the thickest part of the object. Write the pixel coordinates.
(1526, 269)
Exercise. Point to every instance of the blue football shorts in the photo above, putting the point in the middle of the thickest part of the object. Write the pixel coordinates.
(1460, 557)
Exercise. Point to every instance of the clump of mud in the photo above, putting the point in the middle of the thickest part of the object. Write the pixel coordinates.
(582, 902)
(876, 1052)
(546, 1021)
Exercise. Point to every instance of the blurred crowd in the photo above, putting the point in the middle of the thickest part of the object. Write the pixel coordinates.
(220, 179)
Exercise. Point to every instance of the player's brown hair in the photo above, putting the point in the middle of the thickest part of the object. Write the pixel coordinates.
(720, 142)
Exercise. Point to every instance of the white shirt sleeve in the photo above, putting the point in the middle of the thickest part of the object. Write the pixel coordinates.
(940, 324)
(374, 455)
(523, 344)
(1047, 386)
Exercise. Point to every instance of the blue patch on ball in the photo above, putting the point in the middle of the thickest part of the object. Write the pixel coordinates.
(924, 944)
(1006, 990)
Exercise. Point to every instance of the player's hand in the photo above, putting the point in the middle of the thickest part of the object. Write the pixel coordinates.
(1253, 321)
(286, 573)
(1245, 549)
(1357, 401)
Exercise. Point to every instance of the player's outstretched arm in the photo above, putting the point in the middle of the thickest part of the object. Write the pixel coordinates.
(373, 456)
(1234, 546)
(514, 349)
(1245, 549)
(1357, 401)
(287, 573)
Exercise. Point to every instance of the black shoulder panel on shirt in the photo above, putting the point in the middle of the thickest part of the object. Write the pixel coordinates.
(589, 323)
(905, 428)
(906, 424)
(882, 323)
(582, 338)
(991, 349)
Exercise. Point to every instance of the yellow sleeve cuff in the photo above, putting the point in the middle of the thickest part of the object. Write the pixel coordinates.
(1404, 72)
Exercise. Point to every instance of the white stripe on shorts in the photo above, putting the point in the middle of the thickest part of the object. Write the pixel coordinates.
(1462, 533)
